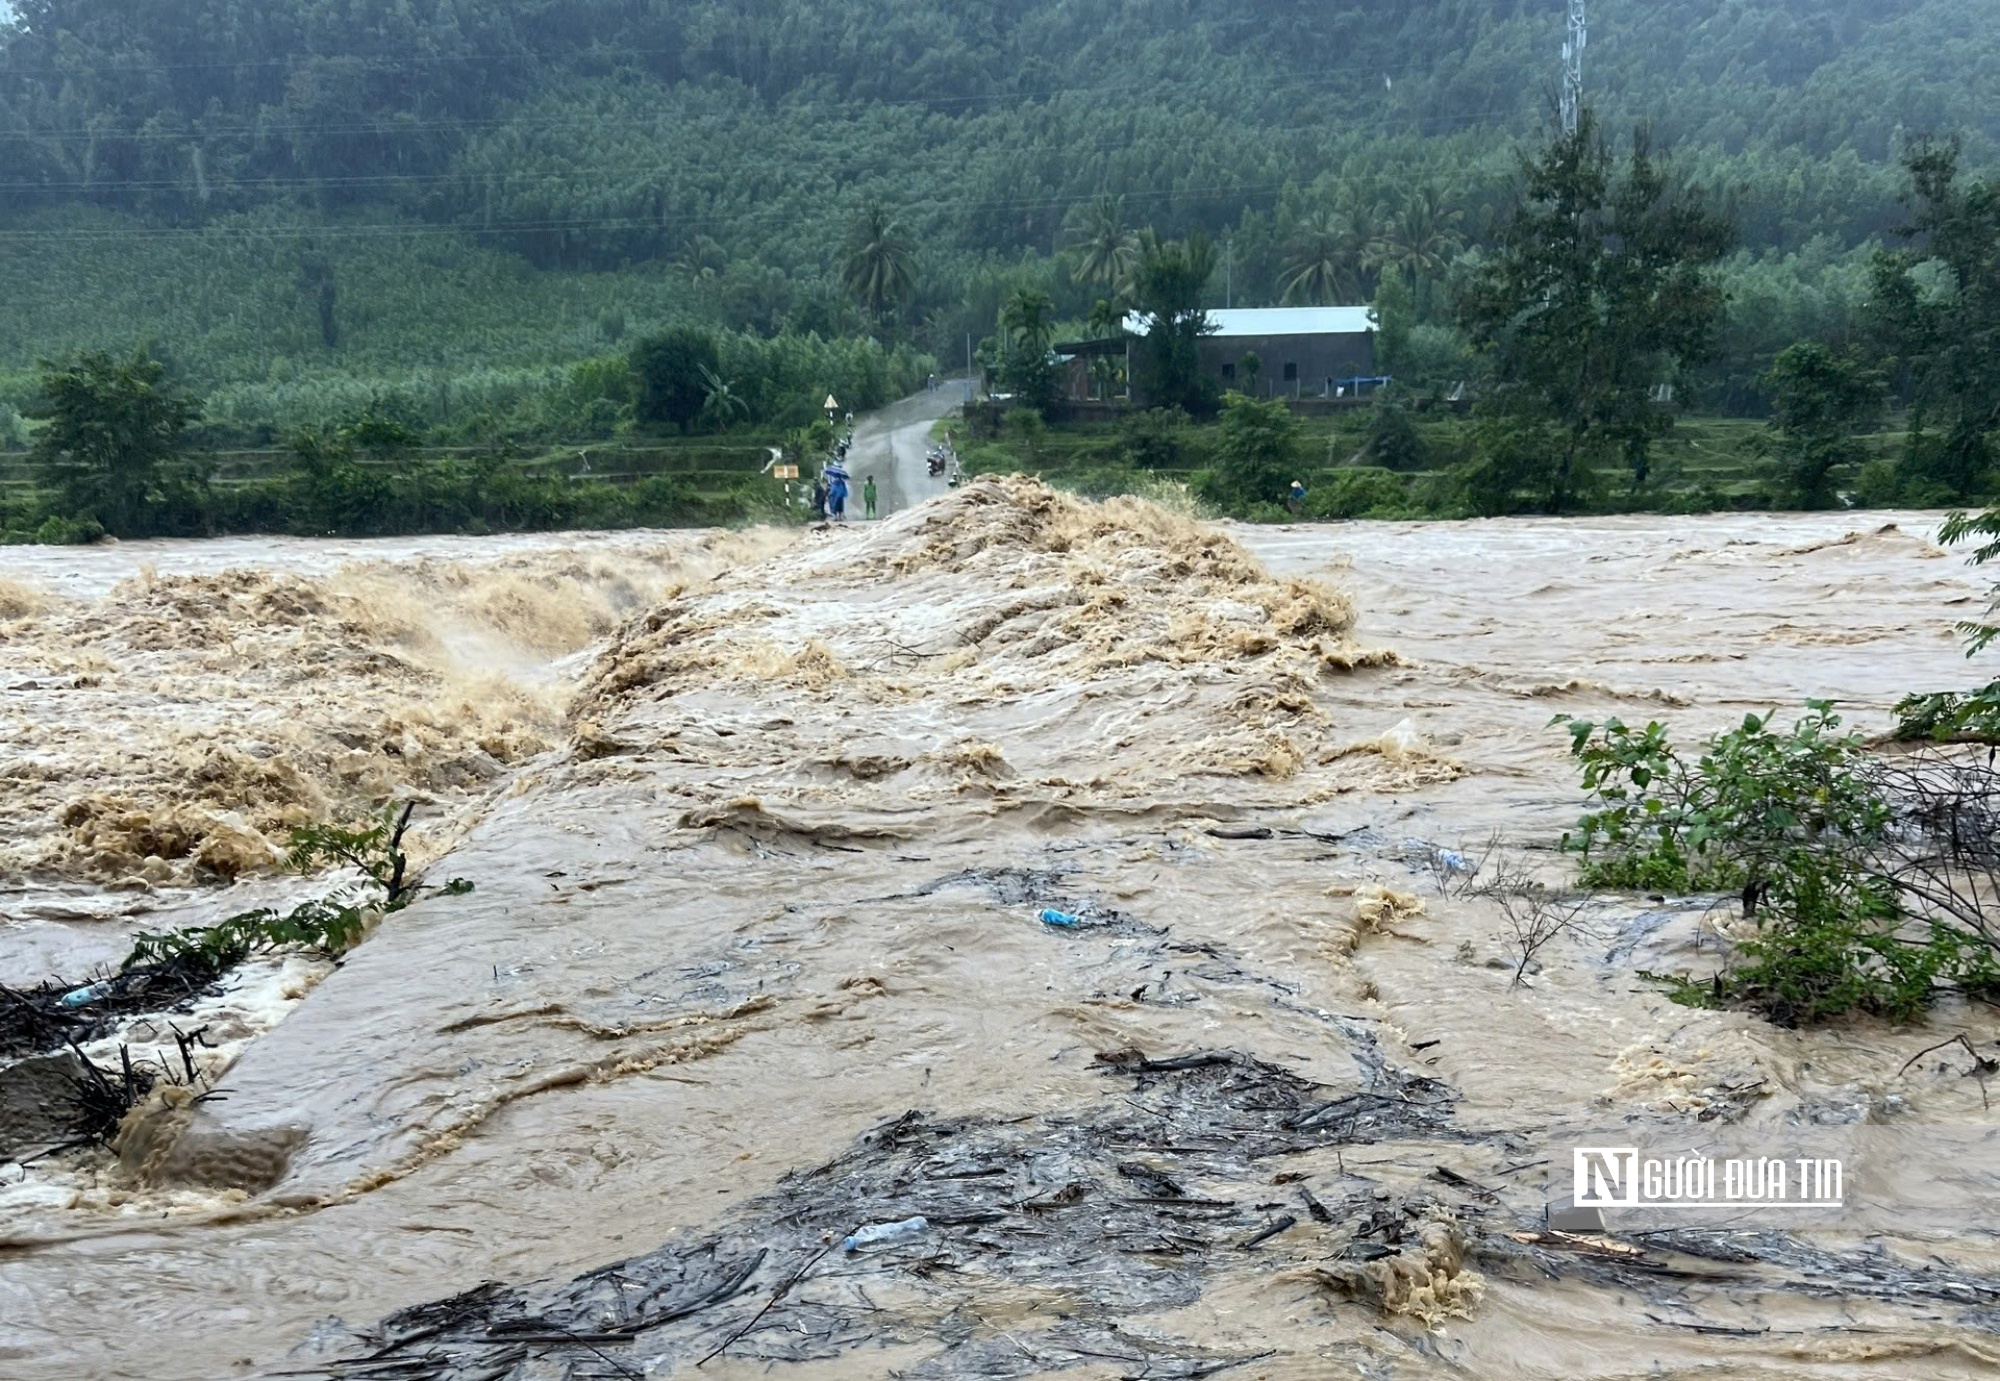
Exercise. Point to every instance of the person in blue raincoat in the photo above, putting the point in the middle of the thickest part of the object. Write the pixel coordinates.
(835, 475)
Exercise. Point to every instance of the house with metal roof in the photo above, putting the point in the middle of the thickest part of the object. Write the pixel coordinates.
(1303, 353)
(1286, 352)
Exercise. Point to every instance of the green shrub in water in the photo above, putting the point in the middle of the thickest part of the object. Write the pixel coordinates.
(329, 925)
(1794, 820)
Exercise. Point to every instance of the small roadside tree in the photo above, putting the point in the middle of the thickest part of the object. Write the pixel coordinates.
(1819, 402)
(113, 440)
(1395, 318)
(1167, 288)
(1027, 325)
(1393, 441)
(1256, 453)
(1601, 287)
(669, 367)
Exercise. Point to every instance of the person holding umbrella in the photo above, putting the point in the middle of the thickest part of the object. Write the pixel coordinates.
(835, 475)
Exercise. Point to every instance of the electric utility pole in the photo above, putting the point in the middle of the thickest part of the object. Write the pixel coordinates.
(1572, 87)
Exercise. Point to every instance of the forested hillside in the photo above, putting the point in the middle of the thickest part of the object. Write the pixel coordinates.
(307, 203)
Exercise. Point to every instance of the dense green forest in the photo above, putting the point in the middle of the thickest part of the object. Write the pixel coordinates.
(456, 213)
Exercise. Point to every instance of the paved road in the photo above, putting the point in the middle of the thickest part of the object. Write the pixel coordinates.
(890, 445)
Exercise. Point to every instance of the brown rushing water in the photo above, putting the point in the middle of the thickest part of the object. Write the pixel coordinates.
(765, 875)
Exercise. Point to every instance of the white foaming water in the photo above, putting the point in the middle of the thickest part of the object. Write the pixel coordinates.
(766, 874)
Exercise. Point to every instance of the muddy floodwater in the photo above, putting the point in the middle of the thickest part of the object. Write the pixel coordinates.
(1081, 879)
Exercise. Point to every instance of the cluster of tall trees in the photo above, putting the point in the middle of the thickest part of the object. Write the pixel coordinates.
(895, 166)
(180, 105)
(1583, 319)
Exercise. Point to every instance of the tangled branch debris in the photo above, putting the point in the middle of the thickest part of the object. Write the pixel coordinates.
(1130, 1205)
(1533, 915)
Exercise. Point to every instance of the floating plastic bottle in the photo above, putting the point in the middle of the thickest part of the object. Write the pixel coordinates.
(1051, 916)
(84, 996)
(886, 1234)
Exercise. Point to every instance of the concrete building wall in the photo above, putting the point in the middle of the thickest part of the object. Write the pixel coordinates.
(1289, 366)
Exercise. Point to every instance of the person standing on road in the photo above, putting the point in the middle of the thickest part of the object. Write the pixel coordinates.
(868, 497)
(835, 476)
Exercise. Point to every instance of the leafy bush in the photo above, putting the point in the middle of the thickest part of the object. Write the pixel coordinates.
(1026, 426)
(784, 379)
(1877, 485)
(325, 926)
(1100, 481)
(111, 447)
(1511, 471)
(1839, 947)
(1156, 438)
(58, 531)
(1357, 491)
(1951, 716)
(1703, 498)
(1798, 822)
(1256, 452)
(668, 367)
(1820, 401)
(330, 925)
(1393, 442)
(1434, 356)
(1961, 527)
(664, 501)
(1725, 820)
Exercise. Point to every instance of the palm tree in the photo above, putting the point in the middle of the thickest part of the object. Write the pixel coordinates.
(880, 271)
(1422, 238)
(1027, 324)
(1028, 318)
(1105, 251)
(702, 259)
(721, 404)
(1321, 258)
(1106, 320)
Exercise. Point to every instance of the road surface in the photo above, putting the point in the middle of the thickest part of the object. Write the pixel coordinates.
(890, 445)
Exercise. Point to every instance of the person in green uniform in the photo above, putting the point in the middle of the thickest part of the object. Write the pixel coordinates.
(868, 497)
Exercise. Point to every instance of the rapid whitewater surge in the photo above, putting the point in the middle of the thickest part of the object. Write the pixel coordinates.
(1064, 873)
(174, 729)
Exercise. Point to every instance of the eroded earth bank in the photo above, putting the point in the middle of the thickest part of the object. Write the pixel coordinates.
(1065, 874)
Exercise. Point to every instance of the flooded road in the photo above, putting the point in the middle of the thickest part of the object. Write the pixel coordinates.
(1063, 873)
(891, 445)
